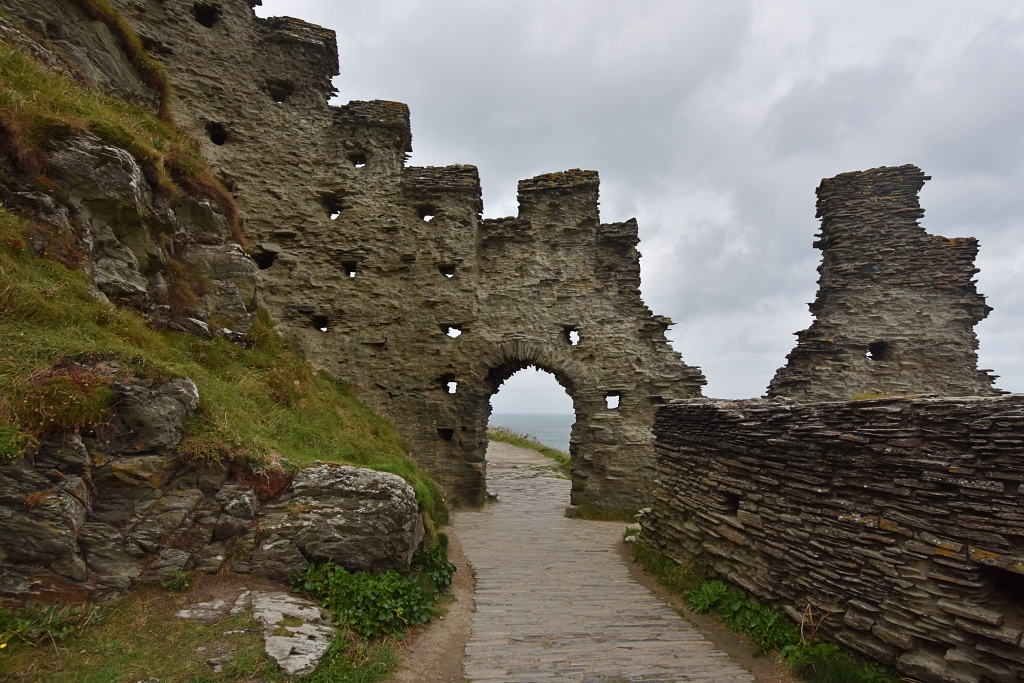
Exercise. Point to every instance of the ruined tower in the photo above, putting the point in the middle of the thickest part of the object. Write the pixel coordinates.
(896, 307)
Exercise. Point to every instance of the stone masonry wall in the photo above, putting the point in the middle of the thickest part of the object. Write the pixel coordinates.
(368, 262)
(905, 516)
(896, 307)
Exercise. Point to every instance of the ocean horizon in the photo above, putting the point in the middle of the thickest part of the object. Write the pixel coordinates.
(551, 429)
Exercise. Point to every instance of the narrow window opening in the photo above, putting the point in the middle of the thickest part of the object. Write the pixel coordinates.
(321, 322)
(218, 135)
(332, 202)
(206, 13)
(426, 213)
(452, 387)
(572, 335)
(280, 90)
(879, 350)
(265, 259)
(447, 270)
(350, 268)
(446, 434)
(358, 160)
(612, 401)
(452, 331)
(731, 502)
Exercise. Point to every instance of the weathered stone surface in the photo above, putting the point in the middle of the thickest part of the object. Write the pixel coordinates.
(350, 266)
(297, 648)
(904, 512)
(896, 307)
(354, 517)
(152, 417)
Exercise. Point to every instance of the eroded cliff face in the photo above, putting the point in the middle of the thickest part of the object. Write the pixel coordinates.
(896, 307)
(369, 263)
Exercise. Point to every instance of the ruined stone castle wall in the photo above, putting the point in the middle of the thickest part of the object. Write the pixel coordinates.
(896, 307)
(368, 262)
(905, 516)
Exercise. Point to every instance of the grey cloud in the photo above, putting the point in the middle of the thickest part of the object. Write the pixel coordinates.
(712, 123)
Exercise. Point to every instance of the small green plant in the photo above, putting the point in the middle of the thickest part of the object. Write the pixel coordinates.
(821, 662)
(432, 563)
(371, 604)
(37, 623)
(677, 578)
(765, 625)
(181, 581)
(629, 533)
(600, 514)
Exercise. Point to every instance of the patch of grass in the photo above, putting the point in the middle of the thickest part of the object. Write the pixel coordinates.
(526, 441)
(385, 603)
(181, 581)
(600, 514)
(828, 663)
(34, 624)
(678, 579)
(260, 408)
(770, 629)
(352, 659)
(38, 106)
(141, 638)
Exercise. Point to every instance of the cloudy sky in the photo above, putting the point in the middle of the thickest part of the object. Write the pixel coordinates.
(712, 123)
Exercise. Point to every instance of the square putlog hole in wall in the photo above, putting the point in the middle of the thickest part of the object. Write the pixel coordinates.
(612, 400)
(206, 13)
(879, 350)
(321, 322)
(572, 334)
(350, 268)
(453, 331)
(358, 159)
(333, 204)
(446, 434)
(217, 133)
(425, 212)
(447, 270)
(280, 89)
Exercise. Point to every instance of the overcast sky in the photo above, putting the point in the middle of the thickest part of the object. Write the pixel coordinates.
(712, 123)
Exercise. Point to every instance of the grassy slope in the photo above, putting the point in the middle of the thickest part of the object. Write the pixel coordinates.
(256, 405)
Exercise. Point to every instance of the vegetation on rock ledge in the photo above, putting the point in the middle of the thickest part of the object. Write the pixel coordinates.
(258, 407)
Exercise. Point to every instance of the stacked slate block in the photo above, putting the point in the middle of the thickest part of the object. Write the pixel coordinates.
(896, 307)
(905, 517)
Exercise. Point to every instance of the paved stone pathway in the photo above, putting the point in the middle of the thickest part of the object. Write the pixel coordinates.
(554, 601)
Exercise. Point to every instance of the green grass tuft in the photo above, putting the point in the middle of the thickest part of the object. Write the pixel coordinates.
(526, 441)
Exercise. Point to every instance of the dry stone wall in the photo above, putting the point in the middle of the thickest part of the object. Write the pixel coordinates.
(905, 517)
(368, 263)
(896, 307)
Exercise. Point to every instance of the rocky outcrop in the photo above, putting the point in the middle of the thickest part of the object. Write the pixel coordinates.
(98, 511)
(356, 518)
(898, 522)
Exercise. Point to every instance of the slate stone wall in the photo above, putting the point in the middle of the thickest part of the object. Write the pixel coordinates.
(905, 516)
(368, 262)
(896, 307)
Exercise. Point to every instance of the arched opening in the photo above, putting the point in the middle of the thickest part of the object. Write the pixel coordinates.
(530, 404)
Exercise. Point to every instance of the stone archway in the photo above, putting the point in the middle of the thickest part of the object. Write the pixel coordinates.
(367, 262)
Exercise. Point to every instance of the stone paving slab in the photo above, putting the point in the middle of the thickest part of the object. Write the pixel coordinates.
(554, 601)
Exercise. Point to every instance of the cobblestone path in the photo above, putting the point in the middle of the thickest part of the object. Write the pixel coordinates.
(554, 601)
